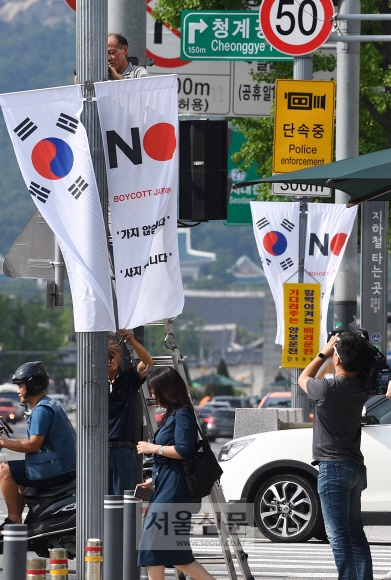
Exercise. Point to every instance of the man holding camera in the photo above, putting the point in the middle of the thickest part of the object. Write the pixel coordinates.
(336, 448)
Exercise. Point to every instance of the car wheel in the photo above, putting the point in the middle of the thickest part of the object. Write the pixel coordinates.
(287, 509)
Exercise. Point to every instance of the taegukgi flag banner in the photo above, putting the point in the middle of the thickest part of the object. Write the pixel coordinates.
(276, 229)
(139, 123)
(53, 154)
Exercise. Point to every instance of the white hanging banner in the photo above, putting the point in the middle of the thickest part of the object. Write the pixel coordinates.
(328, 229)
(52, 149)
(276, 229)
(139, 123)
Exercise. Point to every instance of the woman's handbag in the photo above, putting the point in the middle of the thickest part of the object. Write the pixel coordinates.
(202, 470)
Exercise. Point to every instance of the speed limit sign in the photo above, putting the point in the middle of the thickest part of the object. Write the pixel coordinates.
(296, 27)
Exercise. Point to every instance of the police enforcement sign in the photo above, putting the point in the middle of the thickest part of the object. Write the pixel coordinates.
(296, 27)
(303, 124)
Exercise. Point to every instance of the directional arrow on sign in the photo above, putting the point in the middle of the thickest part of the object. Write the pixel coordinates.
(193, 26)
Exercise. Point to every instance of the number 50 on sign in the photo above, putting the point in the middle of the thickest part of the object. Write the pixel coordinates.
(296, 27)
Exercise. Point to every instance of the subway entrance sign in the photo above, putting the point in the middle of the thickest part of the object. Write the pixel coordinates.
(303, 124)
(225, 35)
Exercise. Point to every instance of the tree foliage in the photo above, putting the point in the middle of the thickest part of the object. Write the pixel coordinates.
(222, 368)
(30, 327)
(375, 84)
(170, 10)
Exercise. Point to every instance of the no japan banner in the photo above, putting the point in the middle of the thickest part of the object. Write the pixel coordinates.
(276, 228)
(52, 149)
(139, 123)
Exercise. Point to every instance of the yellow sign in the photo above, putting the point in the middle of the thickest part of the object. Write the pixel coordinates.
(303, 124)
(302, 324)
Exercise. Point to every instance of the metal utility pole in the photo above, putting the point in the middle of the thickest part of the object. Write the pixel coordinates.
(92, 369)
(347, 133)
(130, 18)
(302, 70)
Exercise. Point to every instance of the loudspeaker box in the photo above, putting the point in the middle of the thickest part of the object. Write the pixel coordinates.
(203, 170)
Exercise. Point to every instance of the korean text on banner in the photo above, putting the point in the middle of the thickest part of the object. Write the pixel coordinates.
(302, 324)
(276, 229)
(328, 229)
(52, 149)
(139, 123)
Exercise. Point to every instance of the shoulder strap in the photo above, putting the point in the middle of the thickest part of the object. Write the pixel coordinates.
(200, 433)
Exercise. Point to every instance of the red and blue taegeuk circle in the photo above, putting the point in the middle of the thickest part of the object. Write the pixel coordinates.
(52, 158)
(275, 243)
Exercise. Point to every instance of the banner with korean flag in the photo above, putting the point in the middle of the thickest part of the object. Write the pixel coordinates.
(276, 229)
(328, 229)
(139, 123)
(52, 150)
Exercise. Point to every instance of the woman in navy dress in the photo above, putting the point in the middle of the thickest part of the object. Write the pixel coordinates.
(165, 539)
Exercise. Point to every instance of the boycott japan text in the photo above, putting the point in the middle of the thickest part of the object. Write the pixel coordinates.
(141, 194)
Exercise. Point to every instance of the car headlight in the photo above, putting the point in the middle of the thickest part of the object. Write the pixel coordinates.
(230, 449)
(11, 416)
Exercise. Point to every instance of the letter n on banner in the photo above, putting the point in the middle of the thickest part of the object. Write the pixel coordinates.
(301, 324)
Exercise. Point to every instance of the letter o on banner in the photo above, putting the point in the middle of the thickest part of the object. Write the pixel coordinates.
(72, 4)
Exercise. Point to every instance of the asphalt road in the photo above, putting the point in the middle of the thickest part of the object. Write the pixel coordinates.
(5, 455)
(267, 561)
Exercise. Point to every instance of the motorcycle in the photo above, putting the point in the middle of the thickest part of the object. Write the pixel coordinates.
(51, 517)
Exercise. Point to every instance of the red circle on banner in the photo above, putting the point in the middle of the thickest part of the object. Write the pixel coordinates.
(290, 30)
(71, 3)
(160, 142)
(337, 243)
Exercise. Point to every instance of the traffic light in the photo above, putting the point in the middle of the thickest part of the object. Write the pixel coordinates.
(204, 186)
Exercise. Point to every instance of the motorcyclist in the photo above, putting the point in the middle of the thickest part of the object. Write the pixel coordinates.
(50, 446)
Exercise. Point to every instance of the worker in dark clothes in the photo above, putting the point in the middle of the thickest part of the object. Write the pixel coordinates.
(123, 388)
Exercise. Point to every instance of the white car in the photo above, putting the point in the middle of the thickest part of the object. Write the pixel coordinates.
(272, 472)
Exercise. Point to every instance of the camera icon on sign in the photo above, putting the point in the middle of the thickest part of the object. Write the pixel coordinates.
(305, 101)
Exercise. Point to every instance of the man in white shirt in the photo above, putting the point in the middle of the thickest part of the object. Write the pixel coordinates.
(119, 67)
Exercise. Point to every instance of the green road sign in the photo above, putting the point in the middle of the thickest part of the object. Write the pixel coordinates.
(225, 35)
(239, 212)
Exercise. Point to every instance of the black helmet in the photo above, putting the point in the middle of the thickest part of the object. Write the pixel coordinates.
(34, 375)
